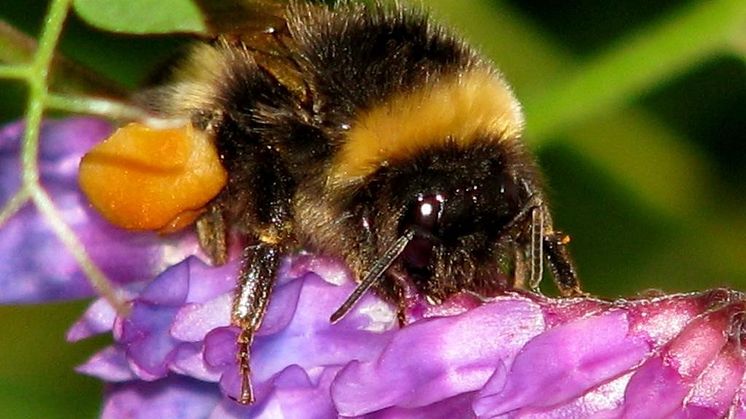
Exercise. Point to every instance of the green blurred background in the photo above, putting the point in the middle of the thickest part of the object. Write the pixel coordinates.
(637, 111)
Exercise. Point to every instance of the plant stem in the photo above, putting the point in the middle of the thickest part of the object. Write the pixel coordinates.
(17, 51)
(38, 82)
(96, 277)
(13, 205)
(38, 88)
(108, 108)
(19, 72)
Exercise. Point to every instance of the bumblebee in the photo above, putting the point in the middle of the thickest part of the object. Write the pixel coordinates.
(368, 133)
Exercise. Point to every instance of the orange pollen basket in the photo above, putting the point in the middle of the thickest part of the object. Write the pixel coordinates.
(142, 178)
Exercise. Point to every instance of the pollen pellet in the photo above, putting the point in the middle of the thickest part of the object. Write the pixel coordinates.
(142, 178)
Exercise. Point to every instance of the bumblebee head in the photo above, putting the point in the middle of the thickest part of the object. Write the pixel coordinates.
(459, 209)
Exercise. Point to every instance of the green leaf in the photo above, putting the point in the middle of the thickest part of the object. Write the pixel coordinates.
(142, 16)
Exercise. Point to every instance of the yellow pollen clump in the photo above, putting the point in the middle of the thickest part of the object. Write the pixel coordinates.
(143, 178)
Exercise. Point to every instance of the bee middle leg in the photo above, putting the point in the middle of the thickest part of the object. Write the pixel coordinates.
(255, 284)
(211, 232)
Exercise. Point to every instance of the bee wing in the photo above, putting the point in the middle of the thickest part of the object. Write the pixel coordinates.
(243, 17)
(260, 26)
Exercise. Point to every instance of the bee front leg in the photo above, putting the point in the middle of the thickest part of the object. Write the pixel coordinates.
(561, 264)
(547, 243)
(408, 298)
(211, 232)
(255, 284)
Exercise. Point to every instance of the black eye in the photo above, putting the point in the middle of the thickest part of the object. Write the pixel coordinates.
(427, 213)
(425, 218)
(509, 199)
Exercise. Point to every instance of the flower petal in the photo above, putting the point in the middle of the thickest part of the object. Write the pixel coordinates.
(194, 321)
(454, 407)
(658, 388)
(436, 359)
(172, 397)
(310, 340)
(146, 331)
(97, 319)
(110, 364)
(715, 390)
(565, 362)
(189, 359)
(290, 394)
(518, 354)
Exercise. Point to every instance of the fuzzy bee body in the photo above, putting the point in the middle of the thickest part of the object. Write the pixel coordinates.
(366, 133)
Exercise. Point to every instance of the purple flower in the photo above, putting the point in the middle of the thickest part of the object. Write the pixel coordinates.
(518, 354)
(515, 355)
(34, 264)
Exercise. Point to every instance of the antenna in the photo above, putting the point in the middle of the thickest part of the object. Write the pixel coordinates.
(374, 275)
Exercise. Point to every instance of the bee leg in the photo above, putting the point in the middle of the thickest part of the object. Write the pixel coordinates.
(211, 232)
(528, 258)
(244, 341)
(561, 264)
(545, 242)
(519, 269)
(408, 298)
(255, 283)
(536, 248)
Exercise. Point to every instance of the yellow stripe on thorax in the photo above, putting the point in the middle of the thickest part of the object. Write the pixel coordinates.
(460, 110)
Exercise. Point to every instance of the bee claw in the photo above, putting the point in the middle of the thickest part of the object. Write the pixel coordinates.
(246, 395)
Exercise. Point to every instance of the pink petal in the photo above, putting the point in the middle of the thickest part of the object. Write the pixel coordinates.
(565, 362)
(440, 358)
(660, 385)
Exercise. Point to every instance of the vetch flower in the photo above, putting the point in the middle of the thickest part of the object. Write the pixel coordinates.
(295, 356)
(518, 354)
(34, 264)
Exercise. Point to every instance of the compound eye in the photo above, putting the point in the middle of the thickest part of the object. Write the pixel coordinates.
(427, 212)
(511, 196)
